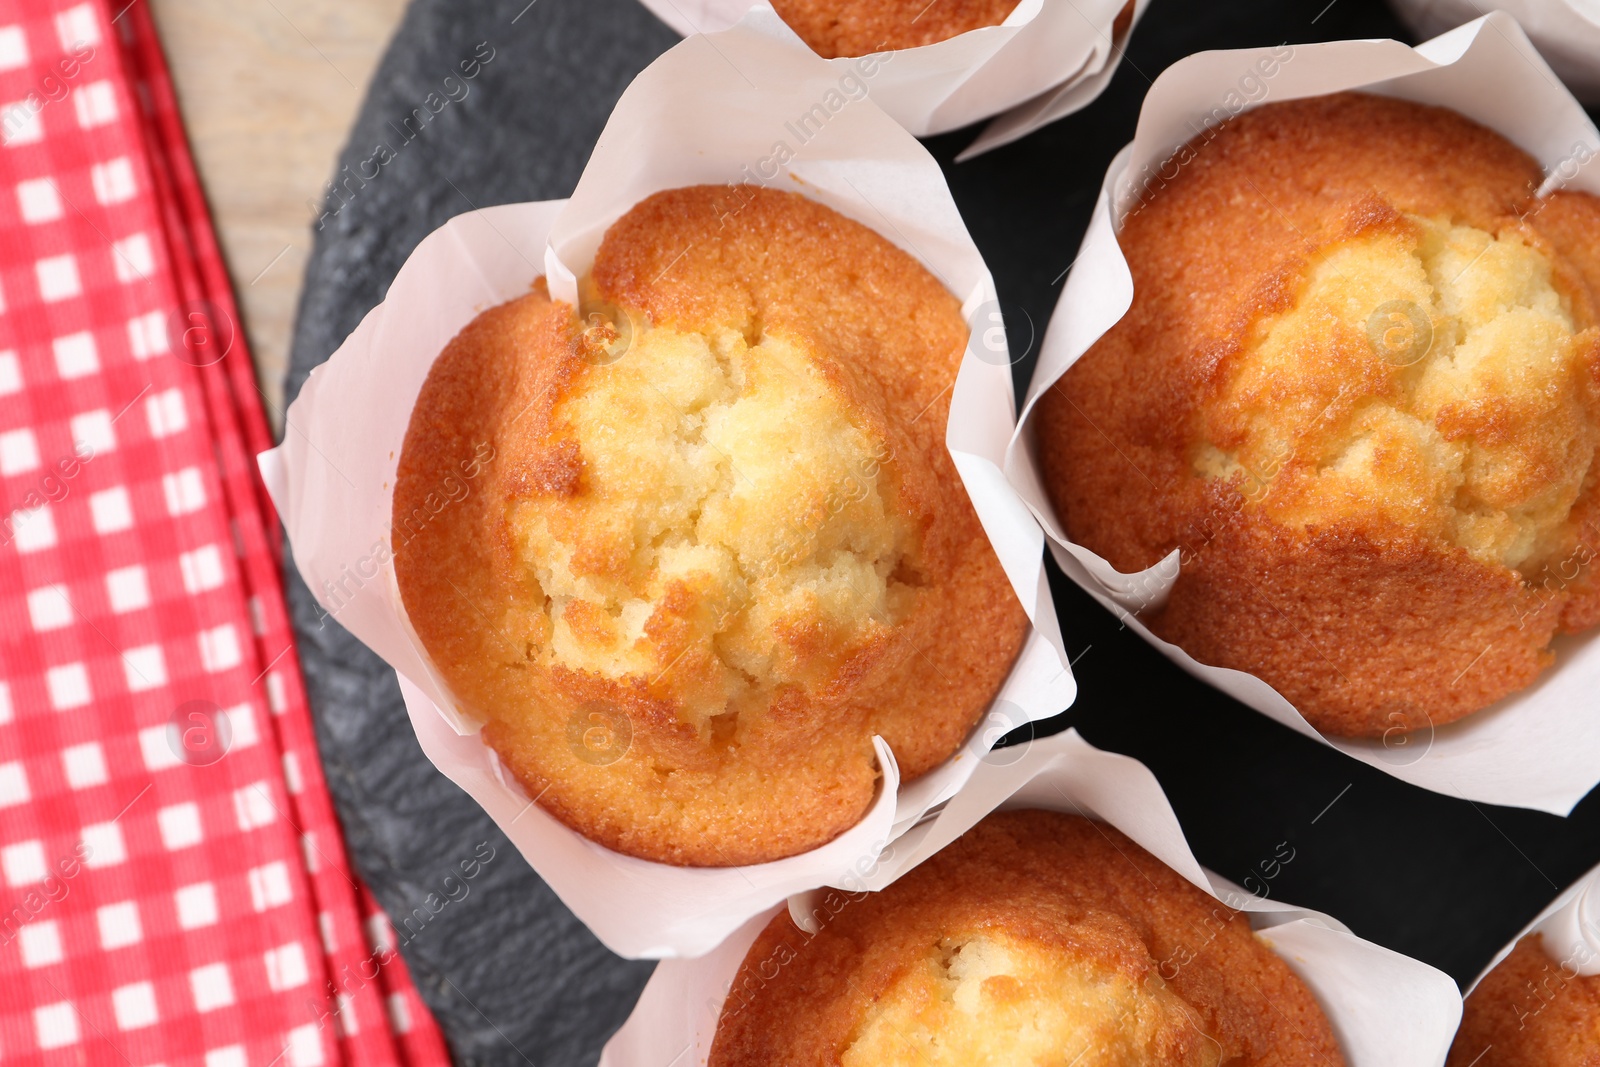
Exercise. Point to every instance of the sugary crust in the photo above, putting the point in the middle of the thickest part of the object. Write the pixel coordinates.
(836, 28)
(1366, 627)
(799, 769)
(1530, 1011)
(1063, 890)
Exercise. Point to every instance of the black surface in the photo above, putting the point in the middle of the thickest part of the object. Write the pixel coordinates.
(511, 975)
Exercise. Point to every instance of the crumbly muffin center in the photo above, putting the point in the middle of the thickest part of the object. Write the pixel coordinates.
(726, 518)
(994, 998)
(1429, 377)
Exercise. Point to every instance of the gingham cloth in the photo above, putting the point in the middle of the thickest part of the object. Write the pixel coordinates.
(173, 884)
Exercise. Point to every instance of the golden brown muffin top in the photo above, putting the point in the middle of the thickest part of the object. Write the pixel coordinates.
(1035, 938)
(836, 28)
(1358, 343)
(1530, 1011)
(718, 541)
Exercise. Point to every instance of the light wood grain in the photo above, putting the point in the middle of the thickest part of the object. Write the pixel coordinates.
(268, 90)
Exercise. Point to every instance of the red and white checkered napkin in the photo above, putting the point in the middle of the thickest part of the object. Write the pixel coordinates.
(173, 884)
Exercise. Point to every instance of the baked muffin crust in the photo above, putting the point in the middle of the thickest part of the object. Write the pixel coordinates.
(719, 542)
(1035, 938)
(1530, 1011)
(1359, 391)
(835, 28)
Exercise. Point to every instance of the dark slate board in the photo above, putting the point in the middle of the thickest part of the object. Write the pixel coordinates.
(510, 973)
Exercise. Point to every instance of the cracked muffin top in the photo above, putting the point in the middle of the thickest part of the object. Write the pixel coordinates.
(714, 541)
(1036, 938)
(1358, 392)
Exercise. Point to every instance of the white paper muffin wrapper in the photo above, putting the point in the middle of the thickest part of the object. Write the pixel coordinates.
(1566, 32)
(1539, 748)
(689, 118)
(1048, 59)
(1387, 1010)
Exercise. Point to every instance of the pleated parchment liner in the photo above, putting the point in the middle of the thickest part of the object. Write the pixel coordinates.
(1387, 1010)
(1534, 749)
(1048, 59)
(1566, 32)
(708, 111)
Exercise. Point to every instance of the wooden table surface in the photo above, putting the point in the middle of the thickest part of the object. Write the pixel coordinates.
(268, 90)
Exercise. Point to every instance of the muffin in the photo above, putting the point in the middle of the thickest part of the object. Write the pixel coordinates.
(1530, 1011)
(839, 28)
(1035, 938)
(835, 28)
(1357, 392)
(686, 553)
